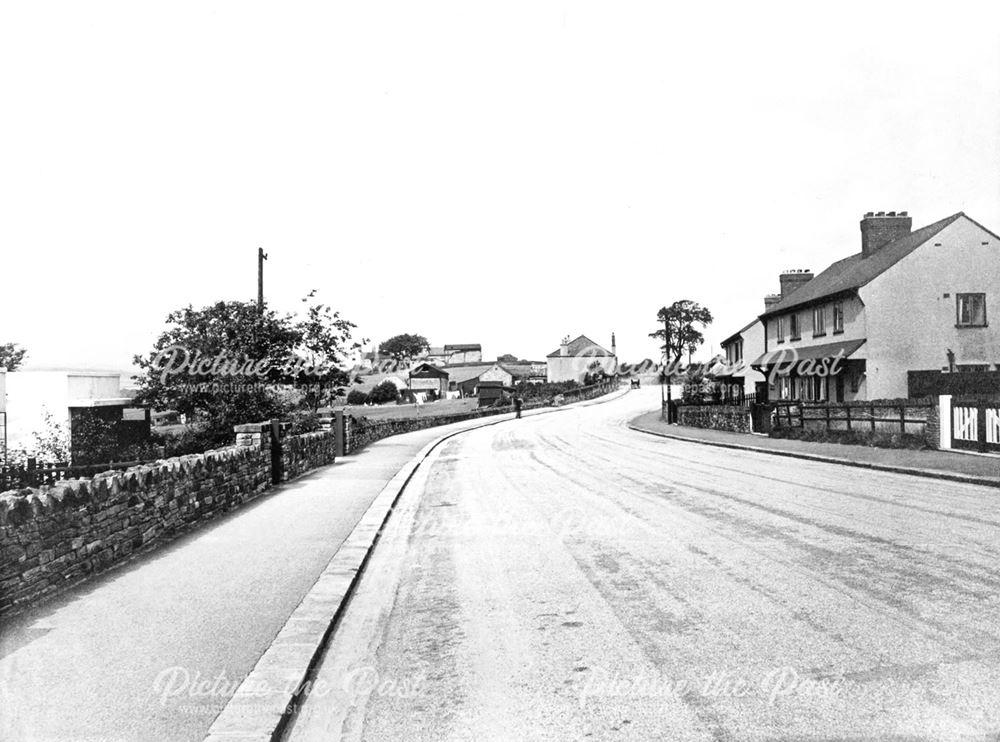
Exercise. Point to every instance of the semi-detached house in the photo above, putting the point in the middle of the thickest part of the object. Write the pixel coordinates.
(909, 301)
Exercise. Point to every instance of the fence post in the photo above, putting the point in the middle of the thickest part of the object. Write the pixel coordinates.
(944, 419)
(902, 419)
(339, 433)
(872, 410)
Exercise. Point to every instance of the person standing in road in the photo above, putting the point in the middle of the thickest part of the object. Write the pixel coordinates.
(517, 407)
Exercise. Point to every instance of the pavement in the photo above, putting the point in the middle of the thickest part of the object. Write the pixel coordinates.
(952, 465)
(154, 649)
(566, 577)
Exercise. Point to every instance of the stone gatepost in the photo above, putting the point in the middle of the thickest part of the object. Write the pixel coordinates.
(253, 435)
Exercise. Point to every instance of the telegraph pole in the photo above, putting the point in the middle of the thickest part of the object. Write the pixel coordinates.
(666, 356)
(261, 257)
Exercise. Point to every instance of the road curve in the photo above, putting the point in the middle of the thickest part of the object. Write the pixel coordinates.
(563, 577)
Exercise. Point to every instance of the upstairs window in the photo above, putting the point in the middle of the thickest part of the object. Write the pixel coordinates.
(971, 310)
(780, 326)
(819, 321)
(794, 326)
(838, 317)
(738, 351)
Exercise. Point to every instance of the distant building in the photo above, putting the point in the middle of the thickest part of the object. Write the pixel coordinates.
(463, 353)
(426, 377)
(68, 398)
(575, 358)
(531, 372)
(465, 379)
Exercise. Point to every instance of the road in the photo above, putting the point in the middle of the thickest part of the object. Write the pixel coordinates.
(154, 649)
(564, 578)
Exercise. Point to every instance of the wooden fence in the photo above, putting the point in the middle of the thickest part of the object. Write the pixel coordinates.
(904, 417)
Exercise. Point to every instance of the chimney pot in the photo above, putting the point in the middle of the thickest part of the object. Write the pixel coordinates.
(879, 230)
(790, 280)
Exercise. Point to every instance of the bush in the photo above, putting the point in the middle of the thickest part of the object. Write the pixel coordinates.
(384, 392)
(356, 397)
(876, 439)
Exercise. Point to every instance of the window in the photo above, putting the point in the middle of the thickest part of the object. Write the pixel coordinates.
(794, 326)
(971, 309)
(738, 351)
(781, 329)
(819, 321)
(838, 318)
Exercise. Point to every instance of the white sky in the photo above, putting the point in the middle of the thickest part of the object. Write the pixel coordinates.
(502, 173)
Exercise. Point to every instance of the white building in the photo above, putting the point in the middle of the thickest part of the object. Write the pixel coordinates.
(30, 396)
(575, 358)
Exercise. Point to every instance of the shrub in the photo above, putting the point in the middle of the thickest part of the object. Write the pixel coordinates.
(384, 392)
(876, 439)
(356, 397)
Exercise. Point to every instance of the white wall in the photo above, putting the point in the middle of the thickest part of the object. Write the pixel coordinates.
(574, 368)
(30, 394)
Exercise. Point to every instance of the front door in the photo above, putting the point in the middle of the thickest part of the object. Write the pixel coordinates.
(840, 387)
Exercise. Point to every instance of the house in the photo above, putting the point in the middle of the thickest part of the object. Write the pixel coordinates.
(575, 358)
(737, 378)
(35, 400)
(908, 301)
(426, 377)
(456, 355)
(531, 372)
(465, 379)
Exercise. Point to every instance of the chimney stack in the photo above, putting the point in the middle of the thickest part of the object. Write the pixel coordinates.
(792, 279)
(770, 300)
(879, 229)
(564, 346)
(614, 350)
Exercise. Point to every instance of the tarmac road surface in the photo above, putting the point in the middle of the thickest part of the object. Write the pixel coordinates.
(561, 577)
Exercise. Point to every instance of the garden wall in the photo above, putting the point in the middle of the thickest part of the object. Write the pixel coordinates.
(717, 417)
(53, 536)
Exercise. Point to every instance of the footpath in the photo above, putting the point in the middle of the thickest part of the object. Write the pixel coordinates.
(156, 648)
(946, 465)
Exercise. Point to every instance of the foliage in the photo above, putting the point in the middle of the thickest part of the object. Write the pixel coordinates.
(12, 356)
(384, 392)
(681, 332)
(404, 347)
(875, 439)
(356, 397)
(49, 445)
(507, 358)
(546, 391)
(325, 337)
(231, 363)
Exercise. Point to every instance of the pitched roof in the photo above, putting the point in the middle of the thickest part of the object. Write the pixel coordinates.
(582, 346)
(844, 348)
(458, 374)
(739, 332)
(854, 272)
(463, 346)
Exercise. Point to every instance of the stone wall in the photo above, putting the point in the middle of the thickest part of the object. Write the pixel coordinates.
(300, 453)
(52, 536)
(717, 417)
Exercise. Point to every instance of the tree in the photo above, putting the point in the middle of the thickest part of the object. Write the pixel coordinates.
(384, 392)
(356, 397)
(681, 332)
(325, 337)
(507, 358)
(12, 356)
(404, 347)
(230, 363)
